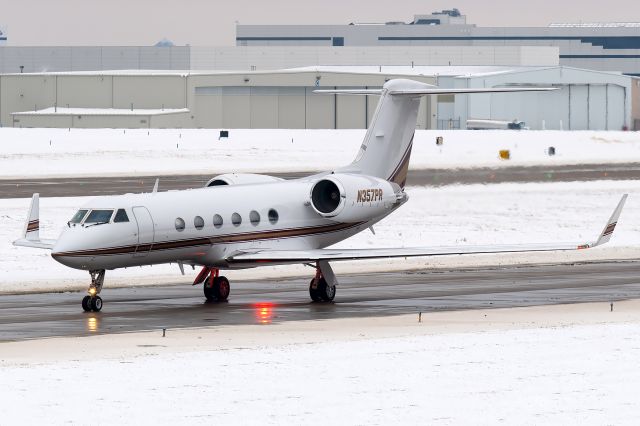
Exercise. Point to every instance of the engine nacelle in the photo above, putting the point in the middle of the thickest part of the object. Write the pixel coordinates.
(354, 198)
(241, 179)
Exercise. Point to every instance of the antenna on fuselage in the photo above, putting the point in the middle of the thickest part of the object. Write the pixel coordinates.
(155, 187)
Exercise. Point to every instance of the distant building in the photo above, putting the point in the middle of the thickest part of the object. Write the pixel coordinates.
(598, 46)
(3, 36)
(29, 59)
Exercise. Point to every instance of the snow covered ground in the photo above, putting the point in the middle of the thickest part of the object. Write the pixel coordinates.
(551, 365)
(449, 215)
(100, 152)
(575, 364)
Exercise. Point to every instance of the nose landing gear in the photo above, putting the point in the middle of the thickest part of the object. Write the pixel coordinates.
(216, 287)
(93, 302)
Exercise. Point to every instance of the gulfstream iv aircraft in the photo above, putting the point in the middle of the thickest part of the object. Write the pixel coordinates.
(246, 220)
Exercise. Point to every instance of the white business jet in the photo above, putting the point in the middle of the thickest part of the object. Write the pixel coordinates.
(248, 220)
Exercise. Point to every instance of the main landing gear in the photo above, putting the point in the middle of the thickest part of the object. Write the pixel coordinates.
(319, 289)
(93, 302)
(216, 288)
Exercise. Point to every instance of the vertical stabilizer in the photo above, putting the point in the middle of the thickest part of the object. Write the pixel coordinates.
(386, 148)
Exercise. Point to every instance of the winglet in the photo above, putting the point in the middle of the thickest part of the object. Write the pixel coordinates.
(607, 232)
(31, 232)
(32, 224)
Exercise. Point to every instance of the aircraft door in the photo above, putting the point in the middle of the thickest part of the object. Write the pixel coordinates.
(146, 231)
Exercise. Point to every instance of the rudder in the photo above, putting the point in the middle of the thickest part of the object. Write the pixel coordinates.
(386, 149)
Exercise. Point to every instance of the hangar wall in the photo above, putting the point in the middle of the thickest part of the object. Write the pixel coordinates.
(33, 92)
(635, 107)
(285, 99)
(584, 99)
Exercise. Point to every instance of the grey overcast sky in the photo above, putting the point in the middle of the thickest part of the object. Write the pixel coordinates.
(212, 23)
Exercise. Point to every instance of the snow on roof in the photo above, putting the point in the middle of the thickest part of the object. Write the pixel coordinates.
(101, 111)
(422, 70)
(595, 25)
(180, 73)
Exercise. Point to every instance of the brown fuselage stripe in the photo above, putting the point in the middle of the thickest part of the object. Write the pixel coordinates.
(223, 239)
(34, 225)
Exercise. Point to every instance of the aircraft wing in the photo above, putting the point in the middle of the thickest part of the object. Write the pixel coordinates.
(41, 244)
(305, 256)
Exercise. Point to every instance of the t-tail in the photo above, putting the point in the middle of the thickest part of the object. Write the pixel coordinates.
(386, 148)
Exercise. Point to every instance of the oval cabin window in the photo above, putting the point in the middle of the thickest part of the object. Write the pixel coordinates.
(273, 216)
(236, 219)
(254, 218)
(198, 222)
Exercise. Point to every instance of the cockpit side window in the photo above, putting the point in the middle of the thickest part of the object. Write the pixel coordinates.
(77, 218)
(121, 216)
(99, 216)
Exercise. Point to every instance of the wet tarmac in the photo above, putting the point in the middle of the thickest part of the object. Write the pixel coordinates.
(68, 187)
(268, 302)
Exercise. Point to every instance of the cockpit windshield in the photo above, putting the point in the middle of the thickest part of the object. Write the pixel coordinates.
(77, 218)
(98, 216)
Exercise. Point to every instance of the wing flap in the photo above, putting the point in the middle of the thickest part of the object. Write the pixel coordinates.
(302, 256)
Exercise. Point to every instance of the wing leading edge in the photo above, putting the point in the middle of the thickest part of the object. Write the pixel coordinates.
(304, 256)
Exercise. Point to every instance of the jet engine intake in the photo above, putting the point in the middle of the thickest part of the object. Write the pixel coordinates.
(350, 198)
(326, 197)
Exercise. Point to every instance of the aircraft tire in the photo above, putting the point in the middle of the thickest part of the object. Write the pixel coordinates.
(96, 304)
(313, 292)
(221, 289)
(327, 292)
(209, 291)
(86, 303)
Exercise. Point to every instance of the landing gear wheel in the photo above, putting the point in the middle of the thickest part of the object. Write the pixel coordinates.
(313, 292)
(217, 289)
(209, 292)
(327, 293)
(86, 303)
(96, 304)
(93, 302)
(221, 288)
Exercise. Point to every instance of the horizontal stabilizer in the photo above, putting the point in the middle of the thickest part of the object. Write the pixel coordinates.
(433, 90)
(436, 91)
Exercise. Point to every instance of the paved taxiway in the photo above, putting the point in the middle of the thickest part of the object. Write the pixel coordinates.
(171, 307)
(68, 187)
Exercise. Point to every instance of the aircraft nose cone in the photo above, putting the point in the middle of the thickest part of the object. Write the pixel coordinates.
(66, 251)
